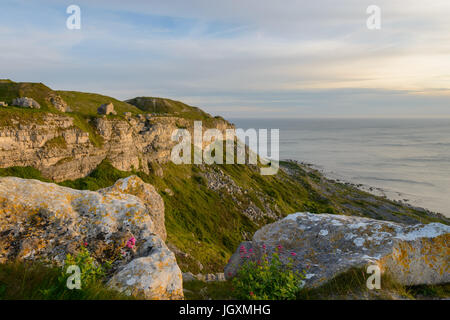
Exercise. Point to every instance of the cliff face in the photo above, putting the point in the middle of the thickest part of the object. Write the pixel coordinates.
(62, 151)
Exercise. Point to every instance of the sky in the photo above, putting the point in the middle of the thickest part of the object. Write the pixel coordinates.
(240, 58)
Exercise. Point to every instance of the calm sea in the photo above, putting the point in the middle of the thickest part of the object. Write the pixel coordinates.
(403, 158)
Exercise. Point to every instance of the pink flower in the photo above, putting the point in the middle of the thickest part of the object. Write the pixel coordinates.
(280, 247)
(85, 244)
(251, 293)
(293, 254)
(131, 242)
(264, 246)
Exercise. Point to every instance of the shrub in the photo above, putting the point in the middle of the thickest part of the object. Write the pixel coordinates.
(91, 271)
(267, 279)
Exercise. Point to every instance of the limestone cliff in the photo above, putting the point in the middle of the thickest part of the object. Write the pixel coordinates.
(63, 151)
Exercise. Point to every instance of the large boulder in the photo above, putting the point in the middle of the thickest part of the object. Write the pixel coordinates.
(154, 276)
(325, 245)
(147, 193)
(26, 103)
(44, 221)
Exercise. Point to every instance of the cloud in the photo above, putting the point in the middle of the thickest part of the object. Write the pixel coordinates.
(233, 56)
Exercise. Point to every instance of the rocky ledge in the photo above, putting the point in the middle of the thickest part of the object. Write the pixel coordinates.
(325, 245)
(45, 222)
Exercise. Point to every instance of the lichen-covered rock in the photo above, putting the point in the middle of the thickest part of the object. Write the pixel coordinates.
(325, 245)
(154, 276)
(45, 221)
(147, 193)
(107, 108)
(57, 102)
(26, 103)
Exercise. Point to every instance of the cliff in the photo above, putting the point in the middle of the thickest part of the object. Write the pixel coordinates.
(69, 145)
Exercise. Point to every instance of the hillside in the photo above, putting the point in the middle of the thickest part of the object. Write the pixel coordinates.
(167, 106)
(209, 209)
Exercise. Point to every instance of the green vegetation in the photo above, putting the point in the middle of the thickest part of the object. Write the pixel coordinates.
(105, 175)
(86, 104)
(352, 285)
(347, 285)
(36, 281)
(22, 172)
(267, 279)
(91, 271)
(200, 290)
(56, 143)
(167, 106)
(10, 90)
(207, 224)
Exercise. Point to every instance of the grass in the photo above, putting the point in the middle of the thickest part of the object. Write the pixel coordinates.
(347, 285)
(352, 285)
(35, 281)
(86, 104)
(56, 143)
(22, 172)
(200, 290)
(103, 176)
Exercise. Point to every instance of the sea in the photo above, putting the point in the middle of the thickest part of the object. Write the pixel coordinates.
(402, 159)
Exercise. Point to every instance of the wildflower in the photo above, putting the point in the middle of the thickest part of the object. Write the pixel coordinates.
(264, 246)
(131, 242)
(293, 254)
(251, 293)
(280, 247)
(85, 244)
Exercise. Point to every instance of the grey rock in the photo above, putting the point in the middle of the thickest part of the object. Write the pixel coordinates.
(45, 222)
(325, 245)
(26, 103)
(107, 108)
(188, 276)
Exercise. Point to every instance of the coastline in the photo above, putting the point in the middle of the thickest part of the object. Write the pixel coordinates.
(394, 196)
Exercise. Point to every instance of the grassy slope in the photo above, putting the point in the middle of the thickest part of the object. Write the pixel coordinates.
(34, 281)
(208, 225)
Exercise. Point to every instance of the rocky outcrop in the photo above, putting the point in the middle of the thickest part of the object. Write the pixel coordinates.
(3, 104)
(57, 102)
(43, 221)
(26, 103)
(325, 245)
(210, 277)
(127, 144)
(155, 275)
(107, 108)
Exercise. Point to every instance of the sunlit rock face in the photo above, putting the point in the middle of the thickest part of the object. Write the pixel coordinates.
(44, 221)
(325, 245)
